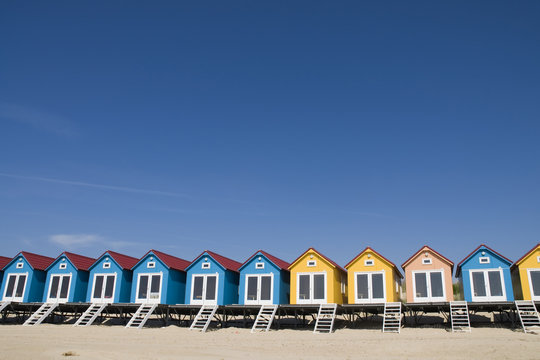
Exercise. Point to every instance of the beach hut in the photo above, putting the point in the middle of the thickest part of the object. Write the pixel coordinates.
(67, 278)
(159, 278)
(526, 275)
(212, 279)
(428, 277)
(111, 278)
(264, 279)
(484, 275)
(372, 278)
(24, 277)
(315, 279)
(3, 262)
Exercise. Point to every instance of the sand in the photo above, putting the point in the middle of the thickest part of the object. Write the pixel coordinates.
(48, 341)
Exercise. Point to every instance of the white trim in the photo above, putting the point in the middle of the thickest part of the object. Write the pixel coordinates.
(311, 263)
(370, 298)
(538, 259)
(369, 262)
(14, 298)
(205, 265)
(62, 266)
(151, 265)
(429, 298)
(20, 265)
(258, 301)
(58, 299)
(488, 296)
(534, 298)
(203, 301)
(149, 300)
(106, 265)
(484, 260)
(102, 299)
(259, 265)
(311, 300)
(427, 261)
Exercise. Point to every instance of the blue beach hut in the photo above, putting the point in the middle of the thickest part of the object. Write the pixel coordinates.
(3, 262)
(159, 278)
(485, 276)
(111, 278)
(67, 278)
(212, 279)
(264, 279)
(24, 277)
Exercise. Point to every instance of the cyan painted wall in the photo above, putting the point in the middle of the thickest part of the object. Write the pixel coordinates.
(78, 284)
(122, 287)
(35, 281)
(281, 286)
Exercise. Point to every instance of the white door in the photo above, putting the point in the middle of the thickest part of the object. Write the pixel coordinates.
(204, 289)
(487, 285)
(428, 286)
(370, 287)
(59, 288)
(15, 286)
(259, 289)
(103, 288)
(149, 288)
(534, 283)
(311, 288)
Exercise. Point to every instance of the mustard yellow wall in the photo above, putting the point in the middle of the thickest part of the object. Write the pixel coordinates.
(333, 277)
(380, 265)
(530, 262)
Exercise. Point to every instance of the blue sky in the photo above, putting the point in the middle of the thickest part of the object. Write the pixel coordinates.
(234, 126)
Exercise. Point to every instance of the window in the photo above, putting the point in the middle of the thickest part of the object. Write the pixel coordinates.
(107, 265)
(20, 265)
(259, 265)
(343, 286)
(151, 264)
(484, 260)
(206, 265)
(63, 266)
(397, 285)
(369, 262)
(311, 263)
(538, 259)
(426, 261)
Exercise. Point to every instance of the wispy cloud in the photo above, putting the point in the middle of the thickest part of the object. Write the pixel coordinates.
(37, 119)
(74, 241)
(97, 186)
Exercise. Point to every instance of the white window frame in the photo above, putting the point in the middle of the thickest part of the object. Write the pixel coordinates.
(259, 265)
(19, 265)
(534, 298)
(106, 265)
(484, 260)
(370, 299)
(369, 262)
(258, 301)
(311, 263)
(148, 300)
(203, 301)
(151, 265)
(59, 300)
(205, 265)
(102, 299)
(62, 266)
(13, 298)
(427, 261)
(488, 296)
(538, 259)
(311, 289)
(429, 298)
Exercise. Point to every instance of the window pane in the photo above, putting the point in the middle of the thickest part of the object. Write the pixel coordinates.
(362, 283)
(266, 288)
(109, 287)
(377, 286)
(495, 283)
(197, 287)
(421, 285)
(303, 287)
(535, 281)
(154, 286)
(436, 284)
(20, 286)
(318, 287)
(252, 288)
(479, 284)
(11, 285)
(65, 287)
(143, 286)
(211, 287)
(54, 287)
(98, 285)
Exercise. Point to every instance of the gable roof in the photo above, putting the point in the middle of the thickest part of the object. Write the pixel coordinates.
(321, 255)
(124, 261)
(283, 265)
(225, 262)
(172, 262)
(526, 255)
(430, 249)
(458, 267)
(4, 261)
(373, 251)
(37, 262)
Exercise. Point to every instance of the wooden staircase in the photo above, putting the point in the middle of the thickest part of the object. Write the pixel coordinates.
(392, 317)
(325, 319)
(264, 318)
(528, 315)
(459, 313)
(41, 314)
(141, 316)
(88, 317)
(204, 318)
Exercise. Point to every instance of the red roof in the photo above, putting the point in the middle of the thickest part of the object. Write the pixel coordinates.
(373, 251)
(80, 262)
(321, 255)
(172, 262)
(37, 262)
(4, 261)
(227, 263)
(435, 252)
(125, 262)
(276, 261)
(458, 267)
(527, 254)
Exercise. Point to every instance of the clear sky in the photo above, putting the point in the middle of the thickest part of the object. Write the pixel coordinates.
(280, 125)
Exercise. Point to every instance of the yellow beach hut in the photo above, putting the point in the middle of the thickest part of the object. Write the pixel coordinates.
(315, 279)
(372, 279)
(526, 275)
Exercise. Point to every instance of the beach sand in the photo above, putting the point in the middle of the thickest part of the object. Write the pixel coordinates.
(48, 341)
